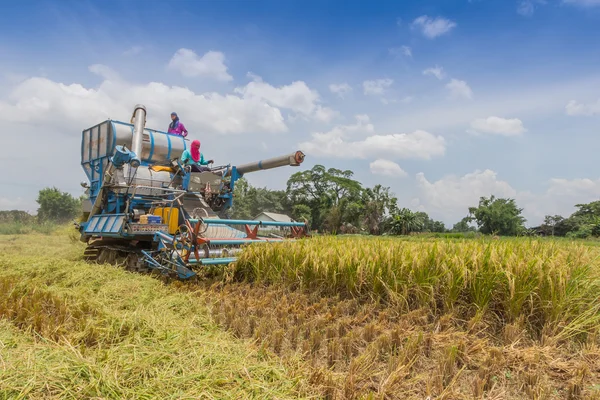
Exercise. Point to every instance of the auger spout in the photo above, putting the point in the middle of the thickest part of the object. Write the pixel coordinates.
(293, 159)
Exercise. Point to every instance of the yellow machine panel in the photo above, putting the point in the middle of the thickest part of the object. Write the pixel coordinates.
(170, 217)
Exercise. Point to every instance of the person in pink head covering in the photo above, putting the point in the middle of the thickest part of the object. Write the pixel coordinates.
(194, 158)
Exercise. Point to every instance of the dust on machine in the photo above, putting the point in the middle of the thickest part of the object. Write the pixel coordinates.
(156, 205)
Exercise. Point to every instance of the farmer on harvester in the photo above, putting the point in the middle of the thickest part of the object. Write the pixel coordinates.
(194, 158)
(176, 127)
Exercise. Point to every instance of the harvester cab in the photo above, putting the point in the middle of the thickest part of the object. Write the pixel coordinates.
(149, 212)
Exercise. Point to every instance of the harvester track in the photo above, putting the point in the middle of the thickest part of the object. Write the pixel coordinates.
(110, 252)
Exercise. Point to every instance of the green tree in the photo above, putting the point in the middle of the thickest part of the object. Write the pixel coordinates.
(498, 216)
(405, 222)
(301, 212)
(57, 206)
(241, 205)
(379, 205)
(16, 216)
(463, 226)
(323, 189)
(550, 224)
(428, 224)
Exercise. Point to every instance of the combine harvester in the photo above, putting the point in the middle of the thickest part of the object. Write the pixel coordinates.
(149, 212)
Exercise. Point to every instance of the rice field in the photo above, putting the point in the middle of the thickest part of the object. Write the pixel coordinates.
(331, 318)
(554, 287)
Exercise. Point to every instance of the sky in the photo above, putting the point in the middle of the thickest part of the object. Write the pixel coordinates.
(442, 101)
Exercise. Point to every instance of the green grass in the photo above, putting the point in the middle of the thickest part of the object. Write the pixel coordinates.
(21, 228)
(73, 330)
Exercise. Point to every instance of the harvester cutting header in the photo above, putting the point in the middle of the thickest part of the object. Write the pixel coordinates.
(150, 211)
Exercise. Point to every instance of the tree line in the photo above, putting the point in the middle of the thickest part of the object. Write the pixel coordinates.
(331, 201)
(55, 206)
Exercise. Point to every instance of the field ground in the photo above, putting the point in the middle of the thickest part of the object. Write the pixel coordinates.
(325, 318)
(73, 330)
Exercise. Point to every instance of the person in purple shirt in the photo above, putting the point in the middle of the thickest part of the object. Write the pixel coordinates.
(176, 127)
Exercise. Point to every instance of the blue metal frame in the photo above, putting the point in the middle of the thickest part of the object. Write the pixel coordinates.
(113, 218)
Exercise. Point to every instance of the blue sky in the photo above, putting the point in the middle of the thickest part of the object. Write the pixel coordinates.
(443, 101)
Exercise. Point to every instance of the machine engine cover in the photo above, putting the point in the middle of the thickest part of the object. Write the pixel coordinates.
(198, 181)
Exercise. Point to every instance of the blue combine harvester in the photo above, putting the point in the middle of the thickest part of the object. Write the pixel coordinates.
(148, 212)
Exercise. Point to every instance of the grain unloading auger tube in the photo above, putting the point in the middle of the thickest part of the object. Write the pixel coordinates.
(148, 210)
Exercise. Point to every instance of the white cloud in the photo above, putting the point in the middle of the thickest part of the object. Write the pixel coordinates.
(450, 197)
(583, 3)
(341, 89)
(498, 126)
(459, 89)
(211, 64)
(296, 96)
(405, 51)
(433, 27)
(386, 168)
(325, 114)
(134, 50)
(54, 105)
(436, 71)
(527, 7)
(574, 108)
(377, 87)
(340, 142)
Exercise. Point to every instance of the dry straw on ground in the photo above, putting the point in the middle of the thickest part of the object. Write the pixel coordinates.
(343, 318)
(389, 318)
(70, 330)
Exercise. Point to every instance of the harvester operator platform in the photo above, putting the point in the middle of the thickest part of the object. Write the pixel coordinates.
(191, 157)
(194, 158)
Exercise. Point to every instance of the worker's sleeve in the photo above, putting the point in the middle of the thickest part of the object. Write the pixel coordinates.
(202, 160)
(185, 156)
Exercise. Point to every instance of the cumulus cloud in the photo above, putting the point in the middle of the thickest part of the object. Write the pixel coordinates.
(211, 65)
(433, 27)
(377, 87)
(296, 96)
(527, 7)
(451, 196)
(574, 108)
(436, 71)
(325, 114)
(386, 168)
(341, 142)
(64, 107)
(405, 51)
(459, 89)
(498, 126)
(341, 89)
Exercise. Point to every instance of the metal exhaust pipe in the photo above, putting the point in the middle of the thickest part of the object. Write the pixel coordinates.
(139, 123)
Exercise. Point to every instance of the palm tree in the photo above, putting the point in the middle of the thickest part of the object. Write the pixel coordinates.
(405, 222)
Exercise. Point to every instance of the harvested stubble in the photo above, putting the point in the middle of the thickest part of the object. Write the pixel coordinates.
(552, 287)
(363, 349)
(73, 330)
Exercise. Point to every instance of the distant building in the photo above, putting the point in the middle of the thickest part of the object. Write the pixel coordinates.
(273, 217)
